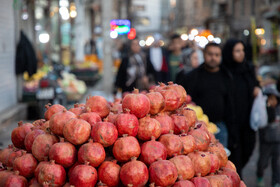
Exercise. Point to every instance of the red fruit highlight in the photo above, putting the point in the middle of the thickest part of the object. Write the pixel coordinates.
(104, 133)
(148, 127)
(99, 105)
(19, 133)
(109, 173)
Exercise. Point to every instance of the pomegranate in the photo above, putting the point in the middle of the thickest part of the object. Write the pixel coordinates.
(46, 125)
(14, 179)
(188, 142)
(202, 139)
(201, 162)
(219, 150)
(42, 145)
(30, 137)
(171, 98)
(215, 162)
(138, 104)
(180, 123)
(51, 110)
(180, 91)
(226, 180)
(71, 168)
(112, 117)
(151, 151)
(172, 144)
(39, 122)
(11, 158)
(77, 110)
(183, 183)
(166, 123)
(130, 176)
(201, 182)
(19, 133)
(52, 173)
(148, 127)
(93, 153)
(157, 102)
(125, 148)
(58, 121)
(63, 153)
(163, 173)
(190, 116)
(242, 184)
(41, 164)
(109, 173)
(105, 133)
(3, 176)
(34, 183)
(83, 176)
(215, 180)
(189, 99)
(4, 154)
(25, 164)
(99, 105)
(184, 166)
(160, 87)
(127, 124)
(232, 175)
(230, 165)
(91, 117)
(77, 131)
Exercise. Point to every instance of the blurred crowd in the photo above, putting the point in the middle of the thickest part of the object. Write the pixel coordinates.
(220, 80)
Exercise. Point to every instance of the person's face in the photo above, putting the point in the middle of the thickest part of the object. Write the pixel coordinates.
(272, 101)
(212, 56)
(135, 47)
(176, 44)
(238, 53)
(194, 60)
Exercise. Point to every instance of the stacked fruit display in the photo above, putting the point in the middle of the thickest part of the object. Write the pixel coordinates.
(147, 139)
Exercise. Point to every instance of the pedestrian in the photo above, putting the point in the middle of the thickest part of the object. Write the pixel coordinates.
(245, 88)
(135, 71)
(209, 86)
(270, 140)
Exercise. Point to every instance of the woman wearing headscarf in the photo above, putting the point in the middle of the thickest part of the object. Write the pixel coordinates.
(244, 87)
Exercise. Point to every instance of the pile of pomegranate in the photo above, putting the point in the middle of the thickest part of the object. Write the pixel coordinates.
(143, 139)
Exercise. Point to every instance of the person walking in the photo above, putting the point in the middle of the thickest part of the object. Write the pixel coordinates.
(209, 86)
(245, 88)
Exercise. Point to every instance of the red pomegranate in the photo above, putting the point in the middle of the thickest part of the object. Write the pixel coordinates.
(183, 183)
(34, 183)
(201, 162)
(71, 168)
(58, 120)
(125, 148)
(201, 182)
(19, 133)
(52, 109)
(99, 105)
(93, 153)
(138, 104)
(40, 164)
(127, 123)
(184, 166)
(160, 87)
(112, 117)
(4, 154)
(180, 91)
(202, 139)
(15, 154)
(180, 123)
(157, 102)
(242, 184)
(46, 125)
(109, 173)
(4, 175)
(188, 142)
(91, 117)
(189, 99)
(14, 179)
(219, 150)
(130, 176)
(42, 145)
(230, 165)
(30, 137)
(190, 116)
(52, 173)
(148, 127)
(78, 110)
(25, 164)
(215, 162)
(63, 153)
(232, 175)
(105, 133)
(226, 181)
(77, 131)
(163, 173)
(166, 123)
(215, 180)
(151, 151)
(171, 98)
(172, 144)
(83, 176)
(39, 122)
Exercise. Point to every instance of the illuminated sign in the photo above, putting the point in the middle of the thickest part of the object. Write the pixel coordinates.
(122, 26)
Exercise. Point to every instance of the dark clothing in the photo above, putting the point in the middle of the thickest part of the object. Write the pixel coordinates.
(25, 56)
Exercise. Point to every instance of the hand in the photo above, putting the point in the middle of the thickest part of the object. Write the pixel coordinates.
(256, 91)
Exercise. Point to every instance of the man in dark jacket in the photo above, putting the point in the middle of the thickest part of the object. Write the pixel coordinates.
(209, 86)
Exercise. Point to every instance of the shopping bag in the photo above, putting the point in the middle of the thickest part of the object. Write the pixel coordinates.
(258, 116)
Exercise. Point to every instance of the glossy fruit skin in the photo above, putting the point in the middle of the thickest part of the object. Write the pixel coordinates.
(83, 176)
(91, 117)
(201, 182)
(148, 128)
(219, 150)
(19, 133)
(190, 116)
(184, 166)
(14, 179)
(180, 123)
(51, 110)
(58, 120)
(99, 105)
(184, 183)
(30, 137)
(171, 98)
(202, 139)
(157, 102)
(109, 173)
(188, 142)
(91, 152)
(105, 133)
(135, 173)
(201, 162)
(127, 124)
(166, 123)
(26, 165)
(172, 144)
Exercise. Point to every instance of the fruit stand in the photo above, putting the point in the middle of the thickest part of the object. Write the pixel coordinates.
(152, 139)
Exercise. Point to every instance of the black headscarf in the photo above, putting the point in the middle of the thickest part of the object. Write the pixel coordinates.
(228, 60)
